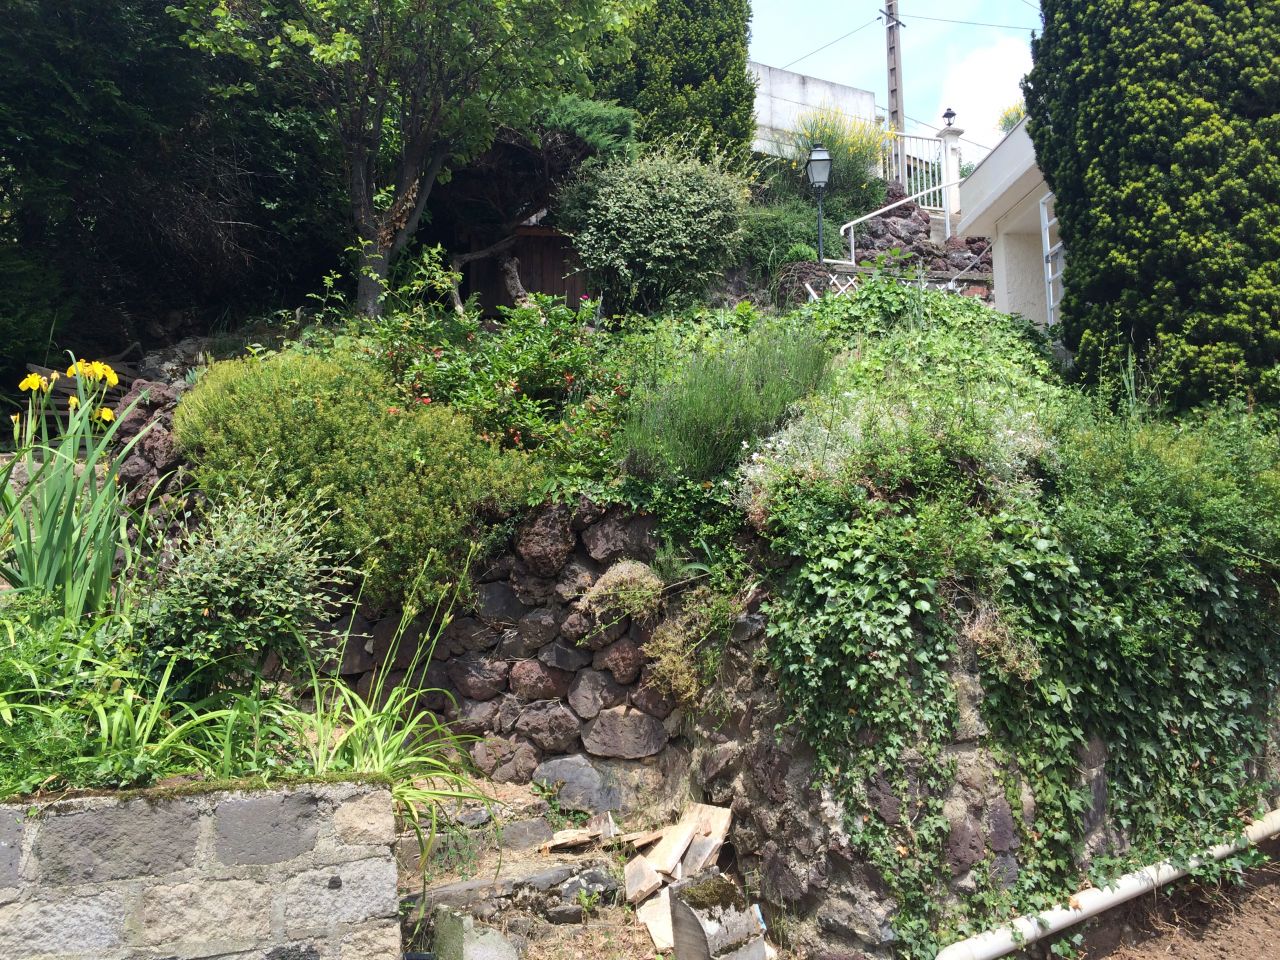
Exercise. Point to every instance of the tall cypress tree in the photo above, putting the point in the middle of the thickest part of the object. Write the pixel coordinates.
(688, 74)
(1157, 125)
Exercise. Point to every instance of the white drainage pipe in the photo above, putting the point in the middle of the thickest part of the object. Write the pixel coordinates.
(1090, 903)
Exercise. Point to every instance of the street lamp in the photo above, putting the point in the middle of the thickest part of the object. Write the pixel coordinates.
(818, 169)
(949, 116)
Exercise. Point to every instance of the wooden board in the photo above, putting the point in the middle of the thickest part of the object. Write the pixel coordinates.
(702, 852)
(642, 838)
(640, 879)
(655, 914)
(711, 827)
(709, 820)
(570, 838)
(665, 857)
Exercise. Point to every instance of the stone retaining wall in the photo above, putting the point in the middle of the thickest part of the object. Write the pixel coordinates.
(534, 669)
(302, 873)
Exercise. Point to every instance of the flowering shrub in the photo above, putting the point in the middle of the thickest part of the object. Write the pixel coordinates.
(538, 379)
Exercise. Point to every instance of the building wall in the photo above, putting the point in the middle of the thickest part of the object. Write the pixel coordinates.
(1019, 275)
(300, 873)
(782, 97)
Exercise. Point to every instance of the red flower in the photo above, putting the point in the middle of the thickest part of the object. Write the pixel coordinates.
(425, 400)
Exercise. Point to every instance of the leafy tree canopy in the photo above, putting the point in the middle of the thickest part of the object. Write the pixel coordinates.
(413, 87)
(688, 74)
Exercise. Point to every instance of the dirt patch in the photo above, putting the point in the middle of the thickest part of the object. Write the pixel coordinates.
(1199, 922)
(614, 934)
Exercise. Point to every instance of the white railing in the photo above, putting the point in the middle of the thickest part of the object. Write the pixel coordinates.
(941, 188)
(916, 163)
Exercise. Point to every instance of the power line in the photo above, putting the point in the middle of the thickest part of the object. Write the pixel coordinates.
(931, 126)
(831, 43)
(969, 23)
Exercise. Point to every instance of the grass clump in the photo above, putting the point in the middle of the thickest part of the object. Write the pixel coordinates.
(685, 648)
(697, 420)
(407, 486)
(627, 589)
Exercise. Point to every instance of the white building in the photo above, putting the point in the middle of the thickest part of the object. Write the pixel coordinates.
(1006, 199)
(782, 97)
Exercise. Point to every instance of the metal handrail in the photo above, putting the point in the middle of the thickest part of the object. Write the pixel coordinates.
(893, 206)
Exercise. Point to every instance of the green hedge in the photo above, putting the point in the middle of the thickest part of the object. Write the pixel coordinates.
(1157, 125)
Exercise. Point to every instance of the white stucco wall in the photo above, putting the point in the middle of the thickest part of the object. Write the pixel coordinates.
(1001, 200)
(782, 97)
(1018, 274)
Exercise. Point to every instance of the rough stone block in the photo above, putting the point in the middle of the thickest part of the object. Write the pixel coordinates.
(267, 829)
(132, 839)
(562, 656)
(525, 834)
(11, 821)
(379, 940)
(581, 785)
(593, 691)
(367, 819)
(78, 926)
(552, 726)
(498, 602)
(458, 938)
(347, 893)
(207, 911)
(624, 732)
(534, 680)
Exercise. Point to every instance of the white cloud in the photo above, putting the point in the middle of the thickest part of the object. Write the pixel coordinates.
(982, 83)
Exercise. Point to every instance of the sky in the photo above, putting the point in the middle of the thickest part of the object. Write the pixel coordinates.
(973, 69)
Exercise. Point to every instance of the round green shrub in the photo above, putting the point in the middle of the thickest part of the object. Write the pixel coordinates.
(249, 580)
(406, 486)
(654, 231)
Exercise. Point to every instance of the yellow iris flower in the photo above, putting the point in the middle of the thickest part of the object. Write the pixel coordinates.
(94, 370)
(73, 402)
(33, 382)
(105, 414)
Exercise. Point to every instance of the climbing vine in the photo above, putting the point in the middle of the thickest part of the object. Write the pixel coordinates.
(1109, 577)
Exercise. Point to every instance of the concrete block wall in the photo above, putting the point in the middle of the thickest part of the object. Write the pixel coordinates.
(299, 873)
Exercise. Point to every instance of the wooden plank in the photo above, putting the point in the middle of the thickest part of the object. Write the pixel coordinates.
(640, 879)
(571, 838)
(665, 857)
(604, 826)
(641, 838)
(702, 852)
(655, 914)
(710, 821)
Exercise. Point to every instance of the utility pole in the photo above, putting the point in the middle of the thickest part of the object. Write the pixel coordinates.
(897, 114)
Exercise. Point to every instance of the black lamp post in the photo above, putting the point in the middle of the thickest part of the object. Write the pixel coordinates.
(949, 116)
(818, 169)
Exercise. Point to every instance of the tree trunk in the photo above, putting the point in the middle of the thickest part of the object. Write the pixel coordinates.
(372, 281)
(510, 268)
